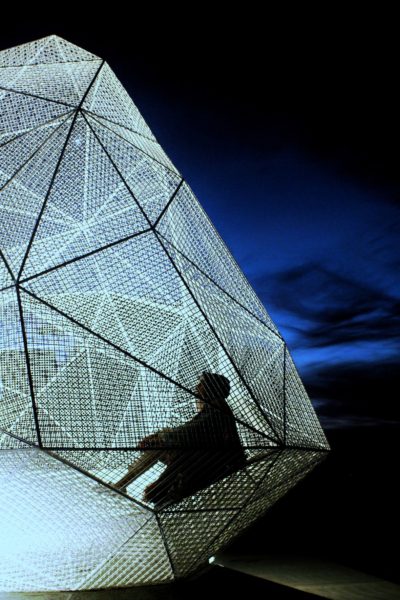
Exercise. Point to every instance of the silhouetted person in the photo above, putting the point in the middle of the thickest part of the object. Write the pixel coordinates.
(200, 451)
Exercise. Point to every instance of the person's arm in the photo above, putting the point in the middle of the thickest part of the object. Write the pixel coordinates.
(176, 436)
(202, 429)
(167, 435)
(186, 434)
(190, 434)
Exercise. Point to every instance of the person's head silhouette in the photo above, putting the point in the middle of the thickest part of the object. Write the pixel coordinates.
(212, 388)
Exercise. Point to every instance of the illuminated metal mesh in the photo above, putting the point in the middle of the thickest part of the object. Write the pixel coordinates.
(116, 293)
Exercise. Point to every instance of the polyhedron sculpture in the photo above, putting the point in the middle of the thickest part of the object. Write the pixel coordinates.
(116, 293)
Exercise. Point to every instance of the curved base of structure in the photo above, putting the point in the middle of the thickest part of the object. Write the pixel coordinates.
(62, 530)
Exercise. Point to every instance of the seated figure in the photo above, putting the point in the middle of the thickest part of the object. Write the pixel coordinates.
(197, 453)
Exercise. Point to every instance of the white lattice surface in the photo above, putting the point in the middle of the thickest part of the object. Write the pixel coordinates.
(116, 294)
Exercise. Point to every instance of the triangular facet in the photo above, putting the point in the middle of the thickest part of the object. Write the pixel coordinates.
(67, 83)
(89, 205)
(254, 349)
(141, 560)
(108, 99)
(105, 403)
(22, 196)
(114, 292)
(23, 147)
(280, 476)
(113, 401)
(46, 50)
(20, 112)
(17, 406)
(223, 494)
(302, 426)
(188, 534)
(5, 275)
(120, 141)
(192, 235)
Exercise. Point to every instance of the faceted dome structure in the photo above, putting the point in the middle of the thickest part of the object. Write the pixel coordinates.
(117, 293)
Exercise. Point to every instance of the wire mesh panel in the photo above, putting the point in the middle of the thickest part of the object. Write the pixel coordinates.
(149, 407)
(58, 527)
(279, 476)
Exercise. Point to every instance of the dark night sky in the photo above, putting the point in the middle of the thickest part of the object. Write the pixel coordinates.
(287, 132)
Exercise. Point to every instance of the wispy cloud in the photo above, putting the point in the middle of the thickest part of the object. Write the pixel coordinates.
(325, 308)
(336, 323)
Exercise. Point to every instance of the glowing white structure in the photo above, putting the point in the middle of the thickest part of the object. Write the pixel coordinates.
(116, 293)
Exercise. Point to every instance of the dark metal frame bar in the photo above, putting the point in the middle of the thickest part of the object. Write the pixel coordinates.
(28, 367)
(55, 172)
(221, 343)
(90, 113)
(43, 143)
(219, 287)
(41, 126)
(91, 116)
(21, 93)
(187, 287)
(126, 353)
